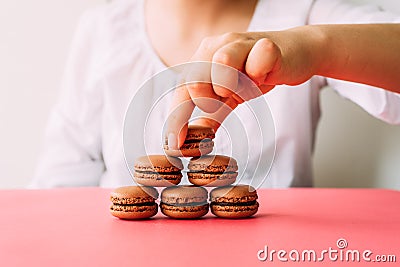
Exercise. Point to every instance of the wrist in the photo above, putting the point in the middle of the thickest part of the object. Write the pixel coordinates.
(318, 46)
(328, 45)
(309, 56)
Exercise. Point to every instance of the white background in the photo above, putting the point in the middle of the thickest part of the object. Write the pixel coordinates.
(352, 150)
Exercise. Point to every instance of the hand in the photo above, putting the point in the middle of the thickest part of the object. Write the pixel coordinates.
(365, 53)
(268, 59)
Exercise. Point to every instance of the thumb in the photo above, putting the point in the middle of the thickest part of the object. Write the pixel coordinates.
(263, 59)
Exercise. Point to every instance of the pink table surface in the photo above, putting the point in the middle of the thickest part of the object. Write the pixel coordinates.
(73, 227)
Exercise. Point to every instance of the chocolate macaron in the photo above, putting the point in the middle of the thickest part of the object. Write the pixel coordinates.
(134, 202)
(232, 202)
(198, 142)
(184, 202)
(212, 170)
(158, 170)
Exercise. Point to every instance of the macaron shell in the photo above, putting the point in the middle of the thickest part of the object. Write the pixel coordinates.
(211, 179)
(134, 212)
(233, 194)
(184, 194)
(157, 179)
(213, 163)
(184, 212)
(191, 149)
(234, 212)
(165, 182)
(133, 195)
(158, 163)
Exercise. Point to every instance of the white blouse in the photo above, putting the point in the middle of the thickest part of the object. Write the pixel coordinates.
(112, 57)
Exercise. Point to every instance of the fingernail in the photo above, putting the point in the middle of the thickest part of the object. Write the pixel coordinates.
(172, 141)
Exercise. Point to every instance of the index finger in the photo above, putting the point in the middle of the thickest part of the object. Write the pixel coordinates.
(180, 112)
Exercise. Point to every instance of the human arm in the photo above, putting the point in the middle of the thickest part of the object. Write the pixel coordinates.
(365, 53)
(381, 104)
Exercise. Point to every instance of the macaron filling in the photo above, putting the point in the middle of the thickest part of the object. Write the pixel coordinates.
(191, 141)
(159, 173)
(136, 204)
(251, 203)
(144, 207)
(192, 204)
(205, 172)
(203, 175)
(195, 144)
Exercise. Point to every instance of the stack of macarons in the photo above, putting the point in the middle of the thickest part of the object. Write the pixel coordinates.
(186, 201)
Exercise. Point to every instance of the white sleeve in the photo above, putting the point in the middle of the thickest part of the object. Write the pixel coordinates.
(72, 154)
(379, 103)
